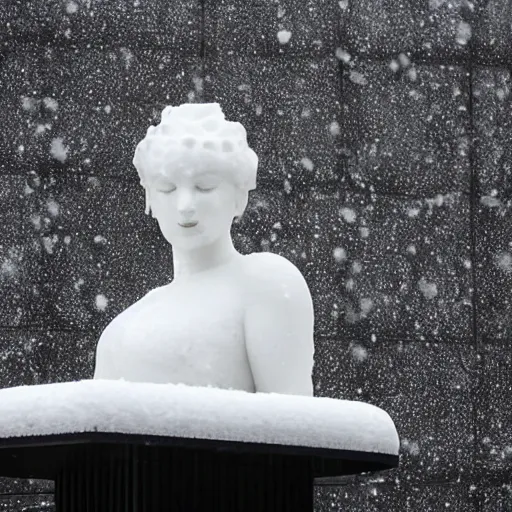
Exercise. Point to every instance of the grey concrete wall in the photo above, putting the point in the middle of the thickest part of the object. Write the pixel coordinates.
(384, 131)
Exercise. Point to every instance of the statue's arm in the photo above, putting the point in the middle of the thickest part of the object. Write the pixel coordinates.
(279, 325)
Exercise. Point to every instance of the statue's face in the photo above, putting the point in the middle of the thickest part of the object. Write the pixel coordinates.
(194, 207)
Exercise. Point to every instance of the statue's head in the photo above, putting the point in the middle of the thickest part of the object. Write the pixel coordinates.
(197, 170)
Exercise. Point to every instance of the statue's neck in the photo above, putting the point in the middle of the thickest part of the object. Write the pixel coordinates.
(190, 262)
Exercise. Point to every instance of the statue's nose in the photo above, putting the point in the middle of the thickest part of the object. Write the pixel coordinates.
(186, 204)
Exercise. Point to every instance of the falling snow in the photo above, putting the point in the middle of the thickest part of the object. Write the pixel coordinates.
(359, 353)
(101, 302)
(334, 128)
(71, 7)
(284, 36)
(307, 164)
(51, 104)
(340, 254)
(504, 261)
(58, 150)
(463, 33)
(428, 289)
(348, 214)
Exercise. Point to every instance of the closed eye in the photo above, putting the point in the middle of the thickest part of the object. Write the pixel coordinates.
(166, 190)
(205, 189)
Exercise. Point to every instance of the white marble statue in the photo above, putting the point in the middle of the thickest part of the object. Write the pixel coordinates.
(226, 320)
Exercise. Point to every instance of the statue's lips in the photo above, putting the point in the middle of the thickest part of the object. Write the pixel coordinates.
(188, 224)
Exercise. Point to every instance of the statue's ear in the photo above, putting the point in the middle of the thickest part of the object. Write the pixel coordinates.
(241, 199)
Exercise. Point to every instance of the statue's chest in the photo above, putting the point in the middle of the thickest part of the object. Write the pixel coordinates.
(191, 334)
(193, 316)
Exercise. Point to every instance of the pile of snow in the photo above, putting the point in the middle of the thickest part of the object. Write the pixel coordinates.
(178, 410)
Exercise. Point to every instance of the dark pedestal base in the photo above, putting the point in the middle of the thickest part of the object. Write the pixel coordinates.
(111, 472)
(139, 478)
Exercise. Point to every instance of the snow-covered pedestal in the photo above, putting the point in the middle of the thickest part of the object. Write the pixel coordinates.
(202, 392)
(125, 446)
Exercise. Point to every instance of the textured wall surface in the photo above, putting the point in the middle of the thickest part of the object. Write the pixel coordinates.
(384, 131)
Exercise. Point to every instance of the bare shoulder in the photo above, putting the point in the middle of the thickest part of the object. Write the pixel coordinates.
(118, 321)
(271, 272)
(278, 326)
(267, 264)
